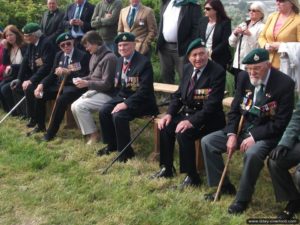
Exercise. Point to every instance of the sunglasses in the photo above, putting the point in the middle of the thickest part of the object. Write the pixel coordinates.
(207, 8)
(253, 10)
(66, 44)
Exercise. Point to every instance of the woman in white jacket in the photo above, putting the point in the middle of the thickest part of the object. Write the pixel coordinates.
(244, 37)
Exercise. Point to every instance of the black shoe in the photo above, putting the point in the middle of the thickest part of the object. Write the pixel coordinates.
(227, 189)
(104, 151)
(163, 172)
(35, 130)
(291, 208)
(190, 182)
(47, 137)
(128, 154)
(31, 123)
(238, 207)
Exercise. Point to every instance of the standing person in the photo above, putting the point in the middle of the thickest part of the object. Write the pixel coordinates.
(263, 105)
(77, 19)
(69, 63)
(51, 22)
(100, 84)
(14, 50)
(37, 63)
(178, 27)
(282, 158)
(215, 29)
(244, 37)
(140, 21)
(195, 110)
(134, 97)
(105, 21)
(281, 27)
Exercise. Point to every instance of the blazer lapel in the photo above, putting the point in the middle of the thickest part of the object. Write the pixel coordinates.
(138, 16)
(182, 13)
(187, 81)
(287, 22)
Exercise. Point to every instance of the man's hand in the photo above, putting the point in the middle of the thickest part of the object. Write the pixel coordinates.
(39, 89)
(60, 71)
(231, 144)
(14, 84)
(183, 126)
(25, 84)
(163, 122)
(247, 143)
(279, 152)
(119, 107)
(81, 83)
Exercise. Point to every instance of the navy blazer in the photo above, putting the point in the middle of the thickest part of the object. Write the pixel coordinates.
(188, 23)
(220, 46)
(202, 109)
(280, 88)
(86, 16)
(77, 57)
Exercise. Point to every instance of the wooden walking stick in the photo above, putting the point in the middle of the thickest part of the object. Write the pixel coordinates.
(227, 162)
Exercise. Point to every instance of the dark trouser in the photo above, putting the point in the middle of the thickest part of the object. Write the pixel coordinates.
(186, 141)
(284, 187)
(31, 101)
(169, 60)
(68, 96)
(4, 85)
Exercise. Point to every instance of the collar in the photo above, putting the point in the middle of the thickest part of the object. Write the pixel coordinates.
(37, 43)
(265, 81)
(70, 55)
(128, 59)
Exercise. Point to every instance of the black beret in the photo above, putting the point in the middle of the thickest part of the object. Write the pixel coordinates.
(126, 36)
(197, 43)
(30, 28)
(63, 37)
(257, 55)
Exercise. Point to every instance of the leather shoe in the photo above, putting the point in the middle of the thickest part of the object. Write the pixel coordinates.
(291, 208)
(238, 207)
(163, 172)
(128, 154)
(47, 137)
(35, 130)
(227, 189)
(104, 151)
(190, 182)
(31, 123)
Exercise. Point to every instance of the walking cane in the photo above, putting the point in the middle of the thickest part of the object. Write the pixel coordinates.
(10, 112)
(61, 87)
(227, 163)
(124, 149)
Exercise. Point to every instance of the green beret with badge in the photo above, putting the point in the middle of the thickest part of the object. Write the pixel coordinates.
(125, 37)
(257, 55)
(30, 28)
(197, 43)
(63, 37)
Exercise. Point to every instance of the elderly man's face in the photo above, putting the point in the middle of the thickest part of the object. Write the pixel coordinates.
(30, 38)
(198, 57)
(134, 2)
(67, 46)
(79, 2)
(126, 48)
(52, 5)
(258, 72)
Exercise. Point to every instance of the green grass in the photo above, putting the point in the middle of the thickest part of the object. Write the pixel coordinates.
(60, 183)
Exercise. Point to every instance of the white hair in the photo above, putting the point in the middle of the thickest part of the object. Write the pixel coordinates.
(262, 8)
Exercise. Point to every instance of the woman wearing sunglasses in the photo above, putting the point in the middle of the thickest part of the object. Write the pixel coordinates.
(215, 29)
(281, 27)
(244, 36)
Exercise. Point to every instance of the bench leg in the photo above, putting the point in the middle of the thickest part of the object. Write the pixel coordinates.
(199, 157)
(155, 154)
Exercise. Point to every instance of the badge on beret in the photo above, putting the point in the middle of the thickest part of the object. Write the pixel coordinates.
(256, 57)
(67, 37)
(124, 38)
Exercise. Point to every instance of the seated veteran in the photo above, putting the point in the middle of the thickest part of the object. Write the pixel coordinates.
(261, 109)
(36, 64)
(195, 110)
(282, 158)
(134, 97)
(69, 63)
(99, 82)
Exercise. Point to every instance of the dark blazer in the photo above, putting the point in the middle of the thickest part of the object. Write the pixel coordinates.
(30, 69)
(220, 47)
(202, 109)
(140, 100)
(86, 16)
(280, 88)
(187, 26)
(77, 57)
(54, 26)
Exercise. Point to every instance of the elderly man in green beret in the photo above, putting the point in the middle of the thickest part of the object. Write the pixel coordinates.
(36, 64)
(261, 109)
(195, 110)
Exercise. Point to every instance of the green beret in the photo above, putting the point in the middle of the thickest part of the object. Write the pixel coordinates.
(257, 55)
(197, 43)
(63, 37)
(128, 37)
(30, 28)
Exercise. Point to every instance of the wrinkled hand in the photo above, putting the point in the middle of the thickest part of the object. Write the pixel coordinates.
(279, 152)
(39, 89)
(81, 83)
(163, 122)
(119, 107)
(231, 144)
(25, 84)
(183, 126)
(60, 71)
(15, 83)
(247, 143)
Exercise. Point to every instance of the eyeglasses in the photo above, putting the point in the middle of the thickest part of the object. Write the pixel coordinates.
(253, 10)
(66, 44)
(207, 8)
(281, 1)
